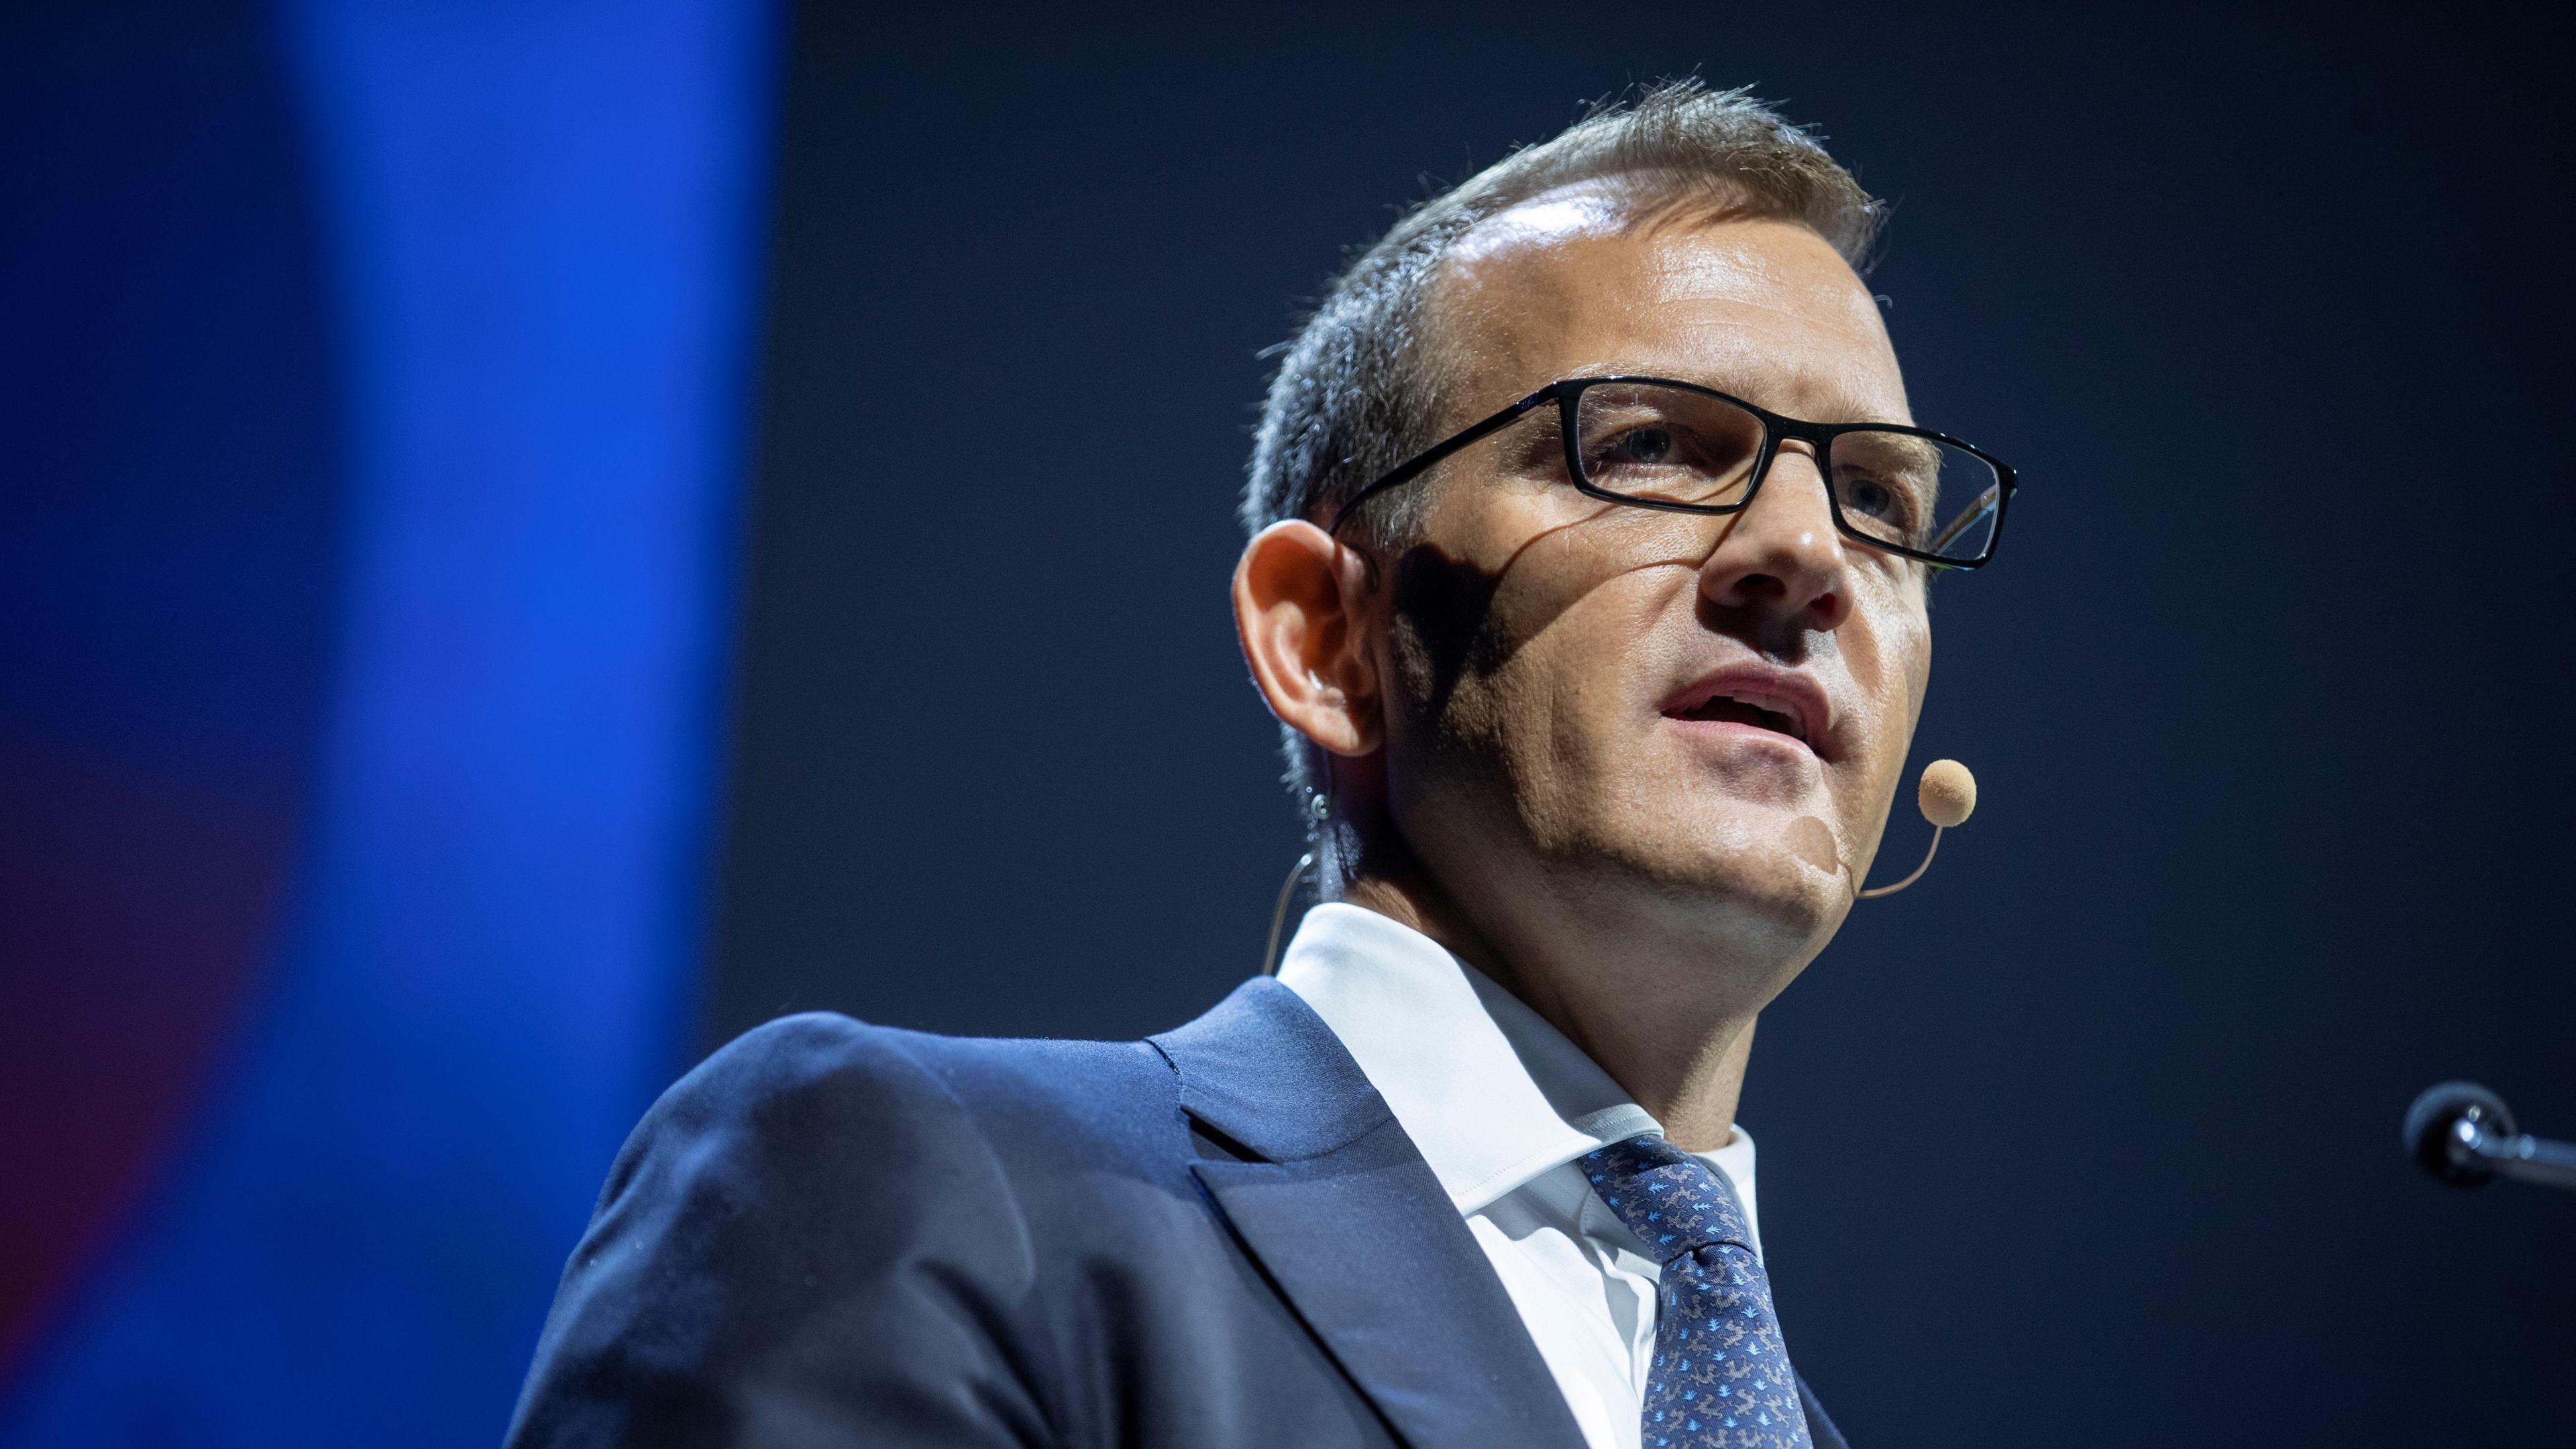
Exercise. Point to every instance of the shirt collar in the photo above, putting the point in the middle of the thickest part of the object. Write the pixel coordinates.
(1491, 1095)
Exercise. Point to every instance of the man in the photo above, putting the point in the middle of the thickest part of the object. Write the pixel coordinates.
(1598, 635)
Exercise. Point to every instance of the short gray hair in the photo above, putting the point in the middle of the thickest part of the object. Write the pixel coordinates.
(1355, 390)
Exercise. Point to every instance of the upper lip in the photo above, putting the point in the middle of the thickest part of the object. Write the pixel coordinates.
(1764, 686)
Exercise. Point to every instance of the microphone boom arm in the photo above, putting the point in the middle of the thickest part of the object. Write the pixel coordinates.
(1875, 892)
(2517, 1155)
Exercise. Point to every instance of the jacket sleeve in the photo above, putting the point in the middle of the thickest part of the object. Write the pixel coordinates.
(807, 1242)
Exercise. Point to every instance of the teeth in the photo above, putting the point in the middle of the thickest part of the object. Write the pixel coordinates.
(1790, 720)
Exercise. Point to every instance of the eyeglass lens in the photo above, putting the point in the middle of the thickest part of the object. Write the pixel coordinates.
(1674, 446)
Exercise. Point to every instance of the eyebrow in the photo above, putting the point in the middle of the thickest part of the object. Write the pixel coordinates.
(1745, 388)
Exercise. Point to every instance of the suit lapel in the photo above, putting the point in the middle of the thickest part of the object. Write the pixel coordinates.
(1348, 1220)
(1820, 1428)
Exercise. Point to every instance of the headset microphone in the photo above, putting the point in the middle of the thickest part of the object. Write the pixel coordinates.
(1947, 796)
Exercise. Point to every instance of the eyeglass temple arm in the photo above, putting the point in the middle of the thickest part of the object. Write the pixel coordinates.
(1431, 457)
(1961, 524)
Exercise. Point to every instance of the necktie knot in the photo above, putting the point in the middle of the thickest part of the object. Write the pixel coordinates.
(1674, 1203)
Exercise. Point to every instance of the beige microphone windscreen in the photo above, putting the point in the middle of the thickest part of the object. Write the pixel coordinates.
(1948, 794)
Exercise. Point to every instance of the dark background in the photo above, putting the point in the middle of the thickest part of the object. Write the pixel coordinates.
(2093, 1137)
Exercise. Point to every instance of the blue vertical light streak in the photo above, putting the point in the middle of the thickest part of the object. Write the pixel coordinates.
(545, 220)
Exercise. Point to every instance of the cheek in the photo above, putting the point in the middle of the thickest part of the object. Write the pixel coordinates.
(1568, 701)
(1887, 643)
(1908, 666)
(1497, 603)
(1537, 688)
(1888, 653)
(1445, 624)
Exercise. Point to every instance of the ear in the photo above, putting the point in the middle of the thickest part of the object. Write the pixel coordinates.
(1300, 602)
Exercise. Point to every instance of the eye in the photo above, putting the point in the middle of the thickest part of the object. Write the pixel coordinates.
(1881, 494)
(1667, 445)
(1868, 496)
(1645, 445)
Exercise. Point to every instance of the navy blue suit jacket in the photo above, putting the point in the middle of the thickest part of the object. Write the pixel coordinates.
(838, 1234)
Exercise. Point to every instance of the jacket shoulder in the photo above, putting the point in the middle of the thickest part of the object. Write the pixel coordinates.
(837, 1083)
(821, 1181)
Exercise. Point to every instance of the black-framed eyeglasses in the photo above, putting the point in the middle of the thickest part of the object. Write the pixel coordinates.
(1652, 442)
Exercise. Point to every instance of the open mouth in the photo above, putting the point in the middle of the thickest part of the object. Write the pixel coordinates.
(1775, 701)
(1777, 716)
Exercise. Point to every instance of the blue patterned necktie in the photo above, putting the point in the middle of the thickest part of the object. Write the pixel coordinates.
(1721, 1376)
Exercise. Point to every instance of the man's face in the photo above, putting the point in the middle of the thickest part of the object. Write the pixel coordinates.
(1553, 746)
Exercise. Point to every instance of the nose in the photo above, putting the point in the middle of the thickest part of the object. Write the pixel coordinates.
(1782, 557)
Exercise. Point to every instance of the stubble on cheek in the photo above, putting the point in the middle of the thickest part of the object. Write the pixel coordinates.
(1443, 624)
(1441, 648)
(1486, 720)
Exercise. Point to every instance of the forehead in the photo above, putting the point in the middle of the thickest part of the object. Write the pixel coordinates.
(1577, 281)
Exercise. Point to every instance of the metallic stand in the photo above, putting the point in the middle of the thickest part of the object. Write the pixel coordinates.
(2463, 1134)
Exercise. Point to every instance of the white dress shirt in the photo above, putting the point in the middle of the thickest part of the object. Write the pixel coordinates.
(1500, 1104)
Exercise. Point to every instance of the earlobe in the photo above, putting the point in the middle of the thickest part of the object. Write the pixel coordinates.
(1299, 613)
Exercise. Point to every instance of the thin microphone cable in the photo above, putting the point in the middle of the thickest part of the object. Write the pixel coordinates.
(1279, 913)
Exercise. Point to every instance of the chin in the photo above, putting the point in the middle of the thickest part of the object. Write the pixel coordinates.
(1743, 885)
(1790, 901)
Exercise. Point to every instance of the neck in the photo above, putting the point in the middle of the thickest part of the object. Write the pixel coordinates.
(1675, 1034)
